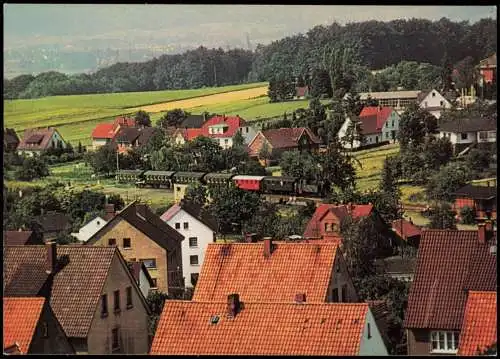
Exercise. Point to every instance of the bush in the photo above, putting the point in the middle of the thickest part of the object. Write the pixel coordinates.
(65, 157)
(31, 169)
(468, 215)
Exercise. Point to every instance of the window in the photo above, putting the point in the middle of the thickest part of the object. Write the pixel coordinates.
(115, 340)
(425, 104)
(463, 135)
(45, 330)
(433, 94)
(178, 189)
(112, 241)
(344, 293)
(193, 242)
(104, 305)
(226, 141)
(335, 295)
(129, 298)
(444, 342)
(326, 227)
(149, 263)
(483, 135)
(116, 295)
(441, 103)
(186, 225)
(155, 282)
(193, 260)
(126, 242)
(369, 331)
(194, 278)
(177, 226)
(392, 123)
(246, 129)
(492, 134)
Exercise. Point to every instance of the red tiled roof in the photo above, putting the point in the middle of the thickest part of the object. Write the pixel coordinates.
(373, 118)
(45, 134)
(18, 238)
(20, 317)
(292, 268)
(169, 213)
(341, 211)
(233, 123)
(103, 130)
(448, 264)
(124, 122)
(405, 229)
(192, 133)
(74, 291)
(479, 328)
(186, 328)
(288, 137)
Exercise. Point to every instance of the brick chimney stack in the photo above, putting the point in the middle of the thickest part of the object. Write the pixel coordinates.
(481, 233)
(233, 305)
(268, 247)
(50, 264)
(300, 298)
(110, 211)
(488, 226)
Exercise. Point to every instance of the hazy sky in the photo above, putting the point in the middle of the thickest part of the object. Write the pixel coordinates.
(193, 25)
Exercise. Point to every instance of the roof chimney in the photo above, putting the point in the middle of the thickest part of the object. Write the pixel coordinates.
(233, 305)
(300, 298)
(488, 226)
(268, 247)
(481, 233)
(109, 211)
(50, 264)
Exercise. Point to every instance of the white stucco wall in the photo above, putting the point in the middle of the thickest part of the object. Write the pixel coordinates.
(89, 229)
(195, 229)
(457, 137)
(99, 142)
(391, 124)
(434, 99)
(225, 142)
(373, 345)
(248, 133)
(342, 133)
(491, 136)
(144, 284)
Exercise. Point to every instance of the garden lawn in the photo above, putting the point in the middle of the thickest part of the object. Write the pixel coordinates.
(371, 164)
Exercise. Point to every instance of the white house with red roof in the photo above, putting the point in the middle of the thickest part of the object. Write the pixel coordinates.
(219, 128)
(104, 133)
(377, 124)
(199, 229)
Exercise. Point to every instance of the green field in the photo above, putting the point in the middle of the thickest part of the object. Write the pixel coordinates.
(372, 162)
(75, 116)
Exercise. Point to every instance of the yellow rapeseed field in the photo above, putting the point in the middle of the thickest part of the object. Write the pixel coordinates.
(204, 100)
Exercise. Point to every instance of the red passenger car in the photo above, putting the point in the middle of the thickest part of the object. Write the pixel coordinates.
(250, 183)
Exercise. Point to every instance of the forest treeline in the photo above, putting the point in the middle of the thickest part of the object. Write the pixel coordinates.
(379, 45)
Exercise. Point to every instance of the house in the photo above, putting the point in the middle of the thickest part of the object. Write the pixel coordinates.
(398, 100)
(37, 140)
(90, 290)
(406, 231)
(89, 229)
(433, 102)
(479, 328)
(141, 235)
(382, 316)
(199, 229)
(104, 133)
(132, 137)
(242, 327)
(397, 267)
(193, 121)
(488, 69)
(463, 133)
(30, 325)
(482, 199)
(450, 265)
(21, 238)
(141, 276)
(53, 224)
(301, 93)
(222, 129)
(10, 140)
(327, 219)
(183, 135)
(283, 139)
(272, 272)
(377, 124)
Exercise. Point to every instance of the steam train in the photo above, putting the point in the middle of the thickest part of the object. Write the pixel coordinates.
(283, 185)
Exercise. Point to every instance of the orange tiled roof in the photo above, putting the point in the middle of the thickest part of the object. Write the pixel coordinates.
(479, 328)
(185, 327)
(20, 317)
(242, 268)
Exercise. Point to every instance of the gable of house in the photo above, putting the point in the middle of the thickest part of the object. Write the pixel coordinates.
(40, 139)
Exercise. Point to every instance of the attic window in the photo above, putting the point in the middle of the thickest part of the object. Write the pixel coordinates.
(433, 94)
(214, 319)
